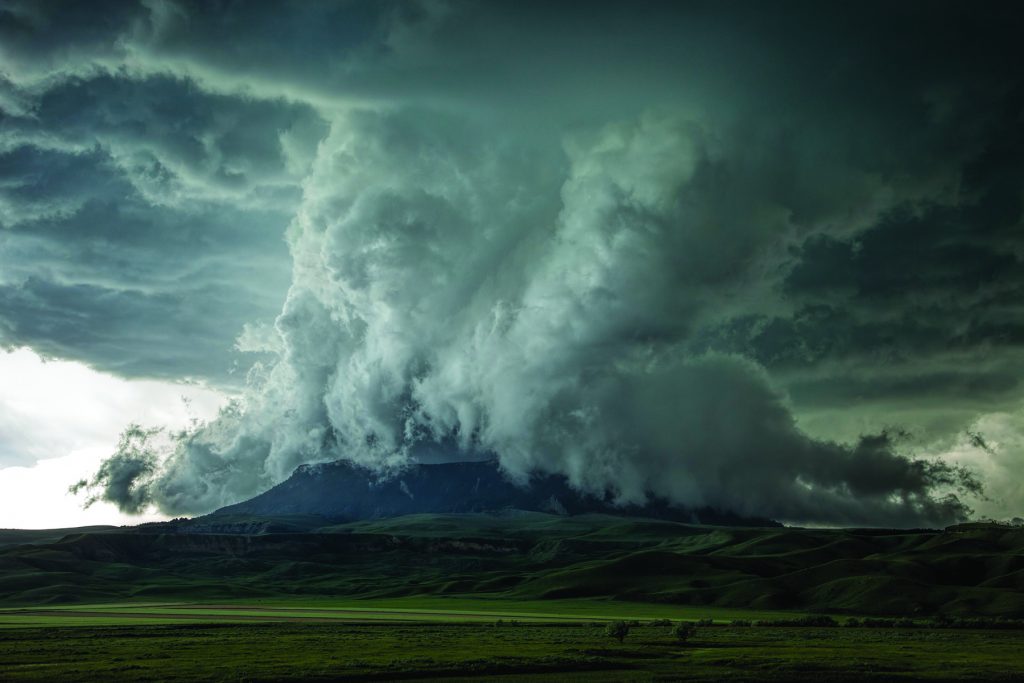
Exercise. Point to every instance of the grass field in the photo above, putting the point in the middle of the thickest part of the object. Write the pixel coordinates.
(440, 638)
(413, 609)
(387, 650)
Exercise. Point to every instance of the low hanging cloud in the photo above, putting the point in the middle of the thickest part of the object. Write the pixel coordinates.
(719, 255)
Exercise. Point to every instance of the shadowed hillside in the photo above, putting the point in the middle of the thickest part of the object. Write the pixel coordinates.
(528, 556)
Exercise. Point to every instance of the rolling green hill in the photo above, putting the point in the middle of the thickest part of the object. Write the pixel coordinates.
(526, 556)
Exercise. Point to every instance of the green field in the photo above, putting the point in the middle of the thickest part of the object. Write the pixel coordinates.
(419, 610)
(431, 650)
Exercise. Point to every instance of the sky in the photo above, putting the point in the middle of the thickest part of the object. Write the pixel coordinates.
(765, 257)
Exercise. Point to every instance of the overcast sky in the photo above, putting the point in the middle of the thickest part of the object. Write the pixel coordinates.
(760, 256)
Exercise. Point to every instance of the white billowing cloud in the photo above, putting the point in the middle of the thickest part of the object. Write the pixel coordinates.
(442, 295)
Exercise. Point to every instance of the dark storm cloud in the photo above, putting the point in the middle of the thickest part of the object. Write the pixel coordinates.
(94, 272)
(171, 139)
(120, 474)
(47, 37)
(602, 243)
(143, 220)
(920, 307)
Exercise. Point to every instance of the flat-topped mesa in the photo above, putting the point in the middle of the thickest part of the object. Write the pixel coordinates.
(345, 491)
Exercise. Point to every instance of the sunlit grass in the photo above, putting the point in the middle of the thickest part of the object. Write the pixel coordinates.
(417, 609)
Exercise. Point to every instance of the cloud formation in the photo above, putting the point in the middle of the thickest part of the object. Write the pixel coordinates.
(714, 254)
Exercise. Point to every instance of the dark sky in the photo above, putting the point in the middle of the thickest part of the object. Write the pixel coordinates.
(761, 256)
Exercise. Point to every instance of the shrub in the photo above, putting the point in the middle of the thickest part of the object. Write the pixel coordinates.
(740, 622)
(705, 622)
(661, 623)
(618, 630)
(683, 630)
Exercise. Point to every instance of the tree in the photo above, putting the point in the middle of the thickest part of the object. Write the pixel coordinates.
(682, 631)
(617, 629)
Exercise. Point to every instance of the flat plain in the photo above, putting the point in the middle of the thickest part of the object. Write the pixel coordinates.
(310, 648)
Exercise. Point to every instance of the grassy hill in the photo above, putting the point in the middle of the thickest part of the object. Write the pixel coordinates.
(528, 556)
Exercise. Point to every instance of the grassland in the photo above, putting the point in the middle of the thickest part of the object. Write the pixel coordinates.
(554, 651)
(418, 610)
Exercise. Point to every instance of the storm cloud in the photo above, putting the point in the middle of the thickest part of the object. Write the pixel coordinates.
(720, 254)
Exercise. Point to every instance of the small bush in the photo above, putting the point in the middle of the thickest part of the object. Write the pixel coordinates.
(618, 630)
(705, 622)
(744, 623)
(852, 622)
(660, 623)
(683, 631)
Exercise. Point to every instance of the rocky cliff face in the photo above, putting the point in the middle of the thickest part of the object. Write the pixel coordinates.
(345, 492)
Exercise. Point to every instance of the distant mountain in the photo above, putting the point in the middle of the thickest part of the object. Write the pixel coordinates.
(346, 492)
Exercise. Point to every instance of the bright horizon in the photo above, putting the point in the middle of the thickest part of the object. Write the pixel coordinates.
(64, 419)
